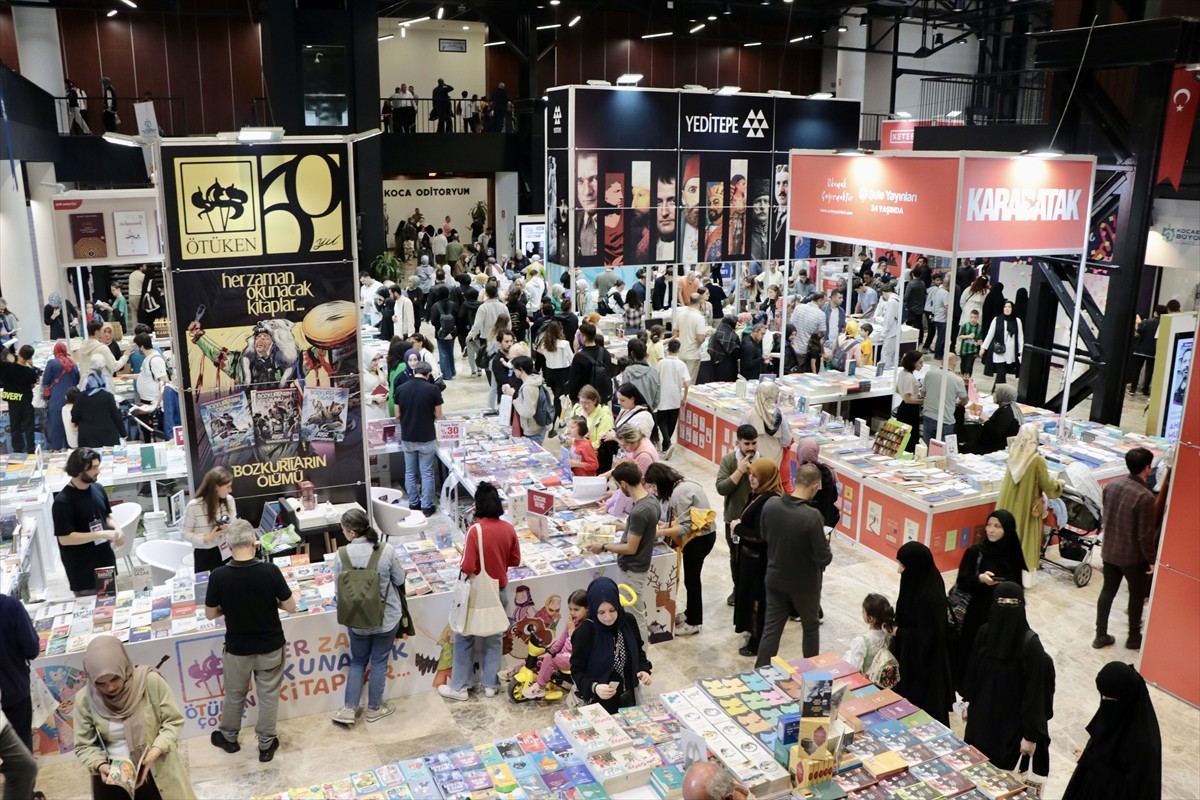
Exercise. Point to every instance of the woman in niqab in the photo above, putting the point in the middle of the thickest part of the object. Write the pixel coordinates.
(921, 637)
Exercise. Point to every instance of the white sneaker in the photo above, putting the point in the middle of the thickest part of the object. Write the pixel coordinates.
(445, 691)
(488, 691)
(680, 618)
(683, 629)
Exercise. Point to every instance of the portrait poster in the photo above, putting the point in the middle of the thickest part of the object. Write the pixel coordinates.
(269, 367)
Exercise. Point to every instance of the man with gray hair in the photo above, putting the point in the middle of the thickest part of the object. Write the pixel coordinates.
(809, 318)
(705, 780)
(944, 392)
(690, 330)
(249, 593)
(752, 361)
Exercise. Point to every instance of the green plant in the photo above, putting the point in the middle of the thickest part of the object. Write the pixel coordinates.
(387, 267)
(479, 213)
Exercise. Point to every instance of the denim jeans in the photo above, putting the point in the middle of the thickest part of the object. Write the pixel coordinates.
(422, 456)
(486, 650)
(446, 358)
(930, 429)
(377, 649)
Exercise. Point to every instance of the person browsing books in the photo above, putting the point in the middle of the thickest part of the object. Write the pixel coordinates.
(207, 518)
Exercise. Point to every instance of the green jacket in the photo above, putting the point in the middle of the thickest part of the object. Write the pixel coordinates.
(163, 722)
(1021, 499)
(736, 495)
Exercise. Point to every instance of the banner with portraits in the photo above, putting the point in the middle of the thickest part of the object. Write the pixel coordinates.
(651, 176)
(263, 299)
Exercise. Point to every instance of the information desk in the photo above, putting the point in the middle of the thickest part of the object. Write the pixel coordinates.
(165, 626)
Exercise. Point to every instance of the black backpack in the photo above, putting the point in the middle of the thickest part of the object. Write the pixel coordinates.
(598, 375)
(828, 494)
(447, 321)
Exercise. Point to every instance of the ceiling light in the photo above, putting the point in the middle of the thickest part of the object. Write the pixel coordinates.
(406, 23)
(123, 139)
(555, 2)
(728, 8)
(403, 33)
(955, 113)
(939, 40)
(466, 27)
(697, 28)
(804, 38)
(694, 87)
(549, 27)
(385, 37)
(112, 13)
(820, 96)
(598, 82)
(571, 24)
(656, 35)
(712, 17)
(129, 3)
(629, 79)
(729, 90)
(902, 114)
(842, 26)
(1043, 153)
(260, 135)
(752, 44)
(492, 44)
(440, 12)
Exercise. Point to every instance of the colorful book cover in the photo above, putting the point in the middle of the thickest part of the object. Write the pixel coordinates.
(945, 745)
(854, 779)
(324, 412)
(275, 415)
(509, 748)
(88, 236)
(365, 782)
(390, 775)
(530, 742)
(553, 738)
(228, 423)
(894, 783)
(968, 756)
(340, 790)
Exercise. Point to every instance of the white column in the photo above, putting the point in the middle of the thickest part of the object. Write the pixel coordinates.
(39, 52)
(852, 65)
(43, 188)
(504, 215)
(16, 267)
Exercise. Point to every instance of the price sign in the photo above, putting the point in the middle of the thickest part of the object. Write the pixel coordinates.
(450, 430)
(178, 433)
(539, 503)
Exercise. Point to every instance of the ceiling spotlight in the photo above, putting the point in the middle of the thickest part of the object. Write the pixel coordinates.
(729, 90)
(938, 40)
(598, 82)
(712, 17)
(260, 135)
(902, 115)
(842, 25)
(576, 19)
(629, 79)
(697, 28)
(466, 27)
(752, 44)
(387, 36)
(804, 38)
(441, 11)
(955, 113)
(548, 27)
(555, 2)
(492, 44)
(112, 13)
(656, 35)
(728, 8)
(403, 33)
(129, 3)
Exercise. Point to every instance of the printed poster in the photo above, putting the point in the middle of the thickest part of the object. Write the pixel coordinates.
(131, 234)
(276, 415)
(88, 239)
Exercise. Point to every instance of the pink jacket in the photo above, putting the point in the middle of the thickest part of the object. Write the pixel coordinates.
(561, 646)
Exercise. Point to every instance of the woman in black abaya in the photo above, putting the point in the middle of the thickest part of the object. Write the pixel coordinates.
(993, 306)
(1123, 758)
(1006, 687)
(985, 565)
(921, 637)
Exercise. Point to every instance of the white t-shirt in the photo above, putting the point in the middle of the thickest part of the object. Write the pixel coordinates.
(561, 357)
(153, 369)
(69, 426)
(672, 377)
(690, 324)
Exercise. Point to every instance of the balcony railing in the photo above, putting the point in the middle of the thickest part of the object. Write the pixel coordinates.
(171, 113)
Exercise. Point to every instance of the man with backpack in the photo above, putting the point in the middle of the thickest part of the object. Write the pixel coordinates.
(532, 401)
(444, 316)
(591, 366)
(249, 594)
(371, 603)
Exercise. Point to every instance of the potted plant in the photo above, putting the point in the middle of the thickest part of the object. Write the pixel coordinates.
(387, 267)
(479, 214)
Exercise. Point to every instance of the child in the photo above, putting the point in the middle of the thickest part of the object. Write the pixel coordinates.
(866, 346)
(654, 347)
(814, 356)
(868, 651)
(582, 459)
(673, 380)
(969, 337)
(558, 655)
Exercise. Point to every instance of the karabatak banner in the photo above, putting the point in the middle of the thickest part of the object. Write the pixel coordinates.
(875, 200)
(1034, 206)
(268, 363)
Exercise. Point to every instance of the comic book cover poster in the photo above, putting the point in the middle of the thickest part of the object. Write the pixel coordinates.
(266, 335)
(275, 415)
(228, 424)
(323, 417)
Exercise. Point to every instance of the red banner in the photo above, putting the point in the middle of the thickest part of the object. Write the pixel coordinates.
(1177, 130)
(1027, 205)
(898, 134)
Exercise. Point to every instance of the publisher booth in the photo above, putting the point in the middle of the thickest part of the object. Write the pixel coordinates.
(954, 204)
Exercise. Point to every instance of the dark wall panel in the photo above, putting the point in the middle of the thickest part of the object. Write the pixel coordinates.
(708, 66)
(117, 47)
(81, 54)
(247, 75)
(150, 49)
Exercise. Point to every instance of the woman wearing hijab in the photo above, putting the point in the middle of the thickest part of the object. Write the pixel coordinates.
(1123, 757)
(992, 305)
(849, 344)
(1025, 482)
(1007, 687)
(608, 657)
(60, 375)
(793, 354)
(55, 314)
(723, 349)
(95, 411)
(985, 565)
(128, 712)
(412, 357)
(921, 637)
(774, 432)
(1003, 343)
(1004, 423)
(750, 589)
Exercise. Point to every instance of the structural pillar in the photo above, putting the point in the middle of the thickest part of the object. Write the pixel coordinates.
(40, 53)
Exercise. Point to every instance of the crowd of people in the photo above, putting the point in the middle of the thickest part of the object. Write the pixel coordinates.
(490, 113)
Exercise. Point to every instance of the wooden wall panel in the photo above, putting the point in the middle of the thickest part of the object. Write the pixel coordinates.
(245, 49)
(183, 75)
(117, 60)
(641, 57)
(616, 47)
(707, 66)
(591, 62)
(216, 74)
(150, 64)
(662, 63)
(80, 47)
(8, 40)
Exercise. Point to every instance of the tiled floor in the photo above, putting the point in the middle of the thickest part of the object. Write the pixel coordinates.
(315, 750)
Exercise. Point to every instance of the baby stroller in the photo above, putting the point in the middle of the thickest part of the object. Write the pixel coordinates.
(1080, 531)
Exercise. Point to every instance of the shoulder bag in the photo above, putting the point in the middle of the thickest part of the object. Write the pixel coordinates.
(476, 609)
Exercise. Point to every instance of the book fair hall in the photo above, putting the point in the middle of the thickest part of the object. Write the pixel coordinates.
(795, 407)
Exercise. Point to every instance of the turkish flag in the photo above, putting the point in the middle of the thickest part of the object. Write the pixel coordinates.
(1177, 132)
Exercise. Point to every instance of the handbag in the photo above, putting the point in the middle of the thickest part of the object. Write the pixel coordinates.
(476, 609)
(1034, 785)
(958, 601)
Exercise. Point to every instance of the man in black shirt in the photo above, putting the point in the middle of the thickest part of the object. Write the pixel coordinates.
(418, 405)
(249, 593)
(584, 365)
(502, 374)
(18, 380)
(637, 544)
(83, 523)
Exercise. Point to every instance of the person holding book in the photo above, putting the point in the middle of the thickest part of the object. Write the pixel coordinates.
(608, 656)
(83, 523)
(581, 456)
(1009, 687)
(1123, 757)
(127, 727)
(921, 633)
(207, 517)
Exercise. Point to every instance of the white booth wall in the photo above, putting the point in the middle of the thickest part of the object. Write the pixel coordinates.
(415, 57)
